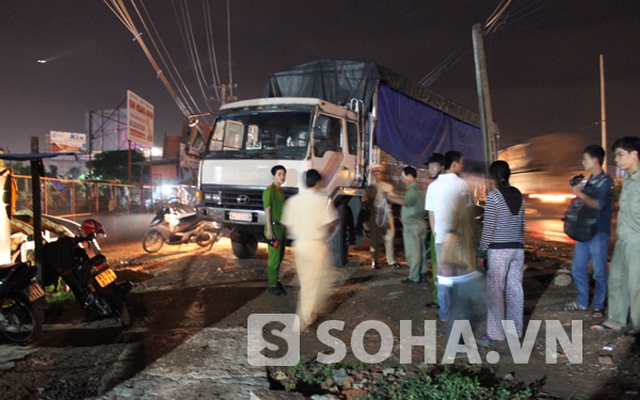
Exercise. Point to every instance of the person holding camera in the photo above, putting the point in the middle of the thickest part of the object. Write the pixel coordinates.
(597, 193)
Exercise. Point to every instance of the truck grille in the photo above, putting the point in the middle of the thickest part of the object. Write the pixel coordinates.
(240, 198)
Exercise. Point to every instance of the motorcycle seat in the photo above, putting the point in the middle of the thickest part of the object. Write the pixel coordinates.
(6, 270)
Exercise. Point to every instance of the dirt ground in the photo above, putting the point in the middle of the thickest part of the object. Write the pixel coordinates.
(181, 290)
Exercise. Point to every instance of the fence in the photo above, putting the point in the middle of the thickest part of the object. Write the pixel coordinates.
(67, 198)
(70, 198)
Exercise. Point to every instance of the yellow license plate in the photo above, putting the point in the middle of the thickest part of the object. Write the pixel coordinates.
(35, 292)
(106, 277)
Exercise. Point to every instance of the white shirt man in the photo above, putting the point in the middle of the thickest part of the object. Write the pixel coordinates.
(442, 199)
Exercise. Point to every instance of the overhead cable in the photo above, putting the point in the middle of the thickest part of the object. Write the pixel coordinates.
(179, 85)
(211, 47)
(118, 7)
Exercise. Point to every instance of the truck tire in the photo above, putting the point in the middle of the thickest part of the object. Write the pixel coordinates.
(244, 245)
(340, 241)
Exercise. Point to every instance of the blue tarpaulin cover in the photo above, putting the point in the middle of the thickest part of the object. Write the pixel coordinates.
(413, 120)
(411, 131)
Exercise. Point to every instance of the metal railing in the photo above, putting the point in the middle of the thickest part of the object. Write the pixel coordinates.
(70, 198)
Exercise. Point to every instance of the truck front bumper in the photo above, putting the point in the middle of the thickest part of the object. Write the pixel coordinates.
(233, 217)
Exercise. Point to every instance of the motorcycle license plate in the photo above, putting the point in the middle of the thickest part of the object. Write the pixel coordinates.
(105, 277)
(34, 291)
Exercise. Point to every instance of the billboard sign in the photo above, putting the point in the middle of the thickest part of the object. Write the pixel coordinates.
(139, 120)
(57, 142)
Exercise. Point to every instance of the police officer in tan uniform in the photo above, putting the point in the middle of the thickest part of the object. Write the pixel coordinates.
(309, 218)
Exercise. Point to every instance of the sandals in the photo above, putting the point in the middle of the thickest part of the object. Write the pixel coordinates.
(573, 306)
(490, 339)
(605, 328)
(628, 337)
(597, 312)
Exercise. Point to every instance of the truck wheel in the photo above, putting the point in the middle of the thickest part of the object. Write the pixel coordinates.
(340, 241)
(244, 245)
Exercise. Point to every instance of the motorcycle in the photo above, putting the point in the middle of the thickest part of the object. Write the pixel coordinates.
(91, 280)
(178, 223)
(22, 302)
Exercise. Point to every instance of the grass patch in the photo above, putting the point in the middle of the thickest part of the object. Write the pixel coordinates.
(450, 382)
(56, 293)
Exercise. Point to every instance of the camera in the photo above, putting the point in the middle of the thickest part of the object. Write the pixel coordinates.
(273, 243)
(575, 180)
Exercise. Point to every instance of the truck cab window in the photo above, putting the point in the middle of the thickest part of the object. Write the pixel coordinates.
(333, 140)
(352, 137)
(270, 133)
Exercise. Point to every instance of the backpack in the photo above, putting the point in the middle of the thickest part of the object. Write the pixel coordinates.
(580, 221)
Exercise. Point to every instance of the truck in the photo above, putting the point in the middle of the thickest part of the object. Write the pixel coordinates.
(337, 117)
(541, 169)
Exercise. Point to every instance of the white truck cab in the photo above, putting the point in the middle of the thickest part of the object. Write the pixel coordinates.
(250, 137)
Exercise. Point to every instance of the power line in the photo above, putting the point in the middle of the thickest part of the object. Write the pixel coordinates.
(118, 7)
(229, 46)
(495, 22)
(212, 49)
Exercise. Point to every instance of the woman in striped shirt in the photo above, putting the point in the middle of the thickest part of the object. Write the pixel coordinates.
(502, 242)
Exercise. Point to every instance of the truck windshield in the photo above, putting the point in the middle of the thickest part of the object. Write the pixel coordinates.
(265, 134)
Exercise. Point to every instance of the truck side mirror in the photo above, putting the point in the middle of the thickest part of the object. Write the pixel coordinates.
(321, 128)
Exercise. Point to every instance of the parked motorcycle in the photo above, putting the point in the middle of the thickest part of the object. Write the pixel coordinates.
(21, 303)
(91, 280)
(178, 223)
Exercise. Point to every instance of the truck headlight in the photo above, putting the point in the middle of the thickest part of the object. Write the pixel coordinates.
(212, 198)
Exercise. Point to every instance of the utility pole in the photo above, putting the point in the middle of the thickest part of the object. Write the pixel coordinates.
(129, 167)
(90, 137)
(603, 114)
(484, 101)
(36, 169)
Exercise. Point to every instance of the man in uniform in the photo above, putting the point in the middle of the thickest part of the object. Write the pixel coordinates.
(414, 227)
(309, 218)
(624, 269)
(435, 165)
(381, 222)
(273, 203)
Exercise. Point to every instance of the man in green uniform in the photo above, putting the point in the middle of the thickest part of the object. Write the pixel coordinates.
(624, 269)
(414, 227)
(273, 203)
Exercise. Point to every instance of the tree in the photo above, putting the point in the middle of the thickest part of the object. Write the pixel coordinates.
(21, 169)
(53, 171)
(74, 173)
(112, 165)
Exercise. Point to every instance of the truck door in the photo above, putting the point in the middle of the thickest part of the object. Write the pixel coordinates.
(333, 154)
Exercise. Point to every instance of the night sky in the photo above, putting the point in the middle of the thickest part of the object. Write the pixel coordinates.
(543, 68)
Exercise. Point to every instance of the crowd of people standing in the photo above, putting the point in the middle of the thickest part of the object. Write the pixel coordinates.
(458, 250)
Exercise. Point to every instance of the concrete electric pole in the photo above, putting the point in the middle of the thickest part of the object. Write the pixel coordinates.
(484, 101)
